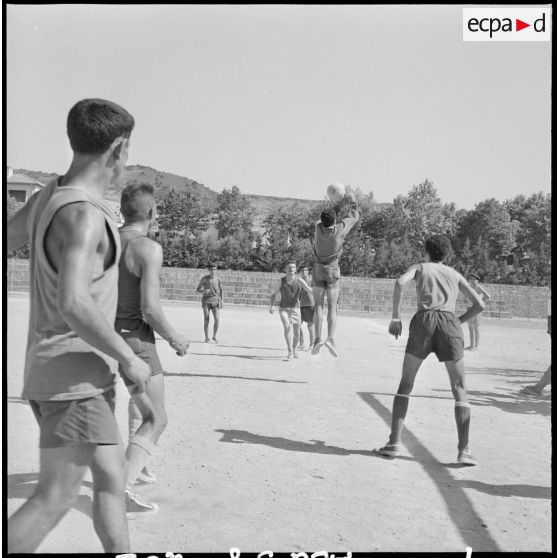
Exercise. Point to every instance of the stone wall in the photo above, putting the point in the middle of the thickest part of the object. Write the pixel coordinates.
(358, 294)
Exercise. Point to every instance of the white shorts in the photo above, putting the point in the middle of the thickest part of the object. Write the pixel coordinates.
(292, 314)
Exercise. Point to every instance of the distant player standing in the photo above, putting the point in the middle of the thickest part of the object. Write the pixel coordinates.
(473, 323)
(289, 291)
(212, 301)
(434, 328)
(329, 236)
(306, 309)
(138, 315)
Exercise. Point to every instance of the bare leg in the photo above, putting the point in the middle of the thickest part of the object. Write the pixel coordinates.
(134, 418)
(296, 334)
(319, 294)
(61, 471)
(287, 329)
(109, 511)
(411, 365)
(477, 336)
(471, 336)
(310, 333)
(151, 405)
(544, 381)
(216, 316)
(456, 371)
(332, 296)
(206, 322)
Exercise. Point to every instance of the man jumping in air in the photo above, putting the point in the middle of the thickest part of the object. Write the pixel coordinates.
(329, 237)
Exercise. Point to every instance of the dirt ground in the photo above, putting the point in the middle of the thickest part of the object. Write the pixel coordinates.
(264, 454)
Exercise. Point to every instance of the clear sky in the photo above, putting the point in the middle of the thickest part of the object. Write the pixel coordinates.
(282, 100)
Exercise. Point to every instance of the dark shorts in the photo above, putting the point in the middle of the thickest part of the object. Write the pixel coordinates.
(307, 314)
(210, 303)
(140, 338)
(77, 421)
(438, 332)
(326, 275)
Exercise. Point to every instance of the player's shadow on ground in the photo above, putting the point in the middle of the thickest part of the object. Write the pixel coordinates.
(224, 376)
(12, 399)
(234, 346)
(506, 372)
(313, 446)
(22, 485)
(509, 402)
(249, 357)
(460, 509)
(510, 490)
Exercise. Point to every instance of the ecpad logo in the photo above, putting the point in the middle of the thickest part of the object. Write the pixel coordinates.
(507, 24)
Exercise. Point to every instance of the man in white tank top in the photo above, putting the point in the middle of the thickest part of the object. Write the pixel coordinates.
(434, 328)
(72, 254)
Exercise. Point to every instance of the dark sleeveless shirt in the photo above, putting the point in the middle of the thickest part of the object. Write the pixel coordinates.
(289, 293)
(129, 298)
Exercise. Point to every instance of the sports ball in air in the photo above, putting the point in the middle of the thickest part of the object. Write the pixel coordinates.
(335, 192)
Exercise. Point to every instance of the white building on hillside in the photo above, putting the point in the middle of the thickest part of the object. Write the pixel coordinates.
(21, 187)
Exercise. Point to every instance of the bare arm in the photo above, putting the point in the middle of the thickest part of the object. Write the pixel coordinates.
(484, 293)
(276, 294)
(354, 215)
(148, 255)
(395, 326)
(398, 289)
(305, 285)
(201, 287)
(476, 301)
(78, 230)
(220, 294)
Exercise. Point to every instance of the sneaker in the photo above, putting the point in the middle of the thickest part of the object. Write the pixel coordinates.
(290, 356)
(390, 450)
(317, 346)
(136, 509)
(208, 340)
(147, 477)
(295, 354)
(330, 344)
(466, 458)
(214, 340)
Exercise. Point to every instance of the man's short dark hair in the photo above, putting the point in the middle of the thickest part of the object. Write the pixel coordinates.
(437, 247)
(93, 124)
(327, 217)
(136, 201)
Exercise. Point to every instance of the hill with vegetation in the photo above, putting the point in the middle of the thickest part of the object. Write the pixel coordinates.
(163, 182)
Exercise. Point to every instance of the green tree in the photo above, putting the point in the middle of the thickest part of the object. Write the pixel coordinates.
(235, 213)
(181, 212)
(490, 224)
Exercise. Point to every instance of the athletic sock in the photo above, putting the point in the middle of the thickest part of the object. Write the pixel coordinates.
(462, 421)
(139, 451)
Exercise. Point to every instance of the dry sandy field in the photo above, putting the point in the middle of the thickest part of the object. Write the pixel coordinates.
(265, 454)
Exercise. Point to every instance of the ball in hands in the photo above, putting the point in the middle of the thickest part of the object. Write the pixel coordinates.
(335, 192)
